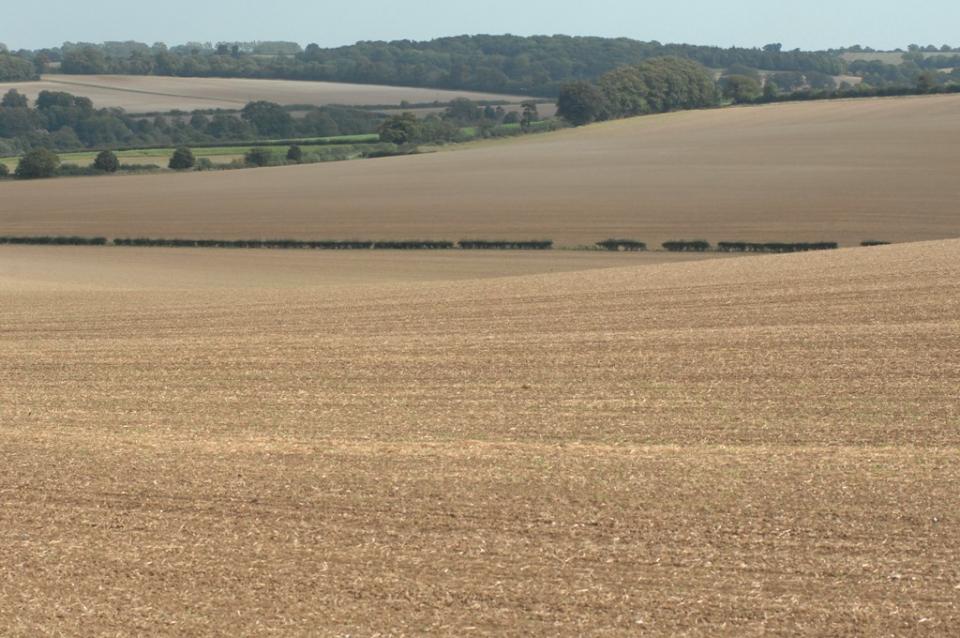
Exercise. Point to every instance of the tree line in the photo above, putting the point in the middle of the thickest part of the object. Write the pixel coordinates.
(537, 65)
(280, 244)
(702, 245)
(61, 121)
(653, 86)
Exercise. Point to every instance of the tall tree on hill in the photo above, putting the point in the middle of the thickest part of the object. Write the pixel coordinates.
(530, 115)
(107, 162)
(401, 129)
(657, 86)
(740, 88)
(580, 103)
(270, 119)
(182, 159)
(37, 164)
(13, 99)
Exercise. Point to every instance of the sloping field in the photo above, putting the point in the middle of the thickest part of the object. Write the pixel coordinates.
(846, 171)
(148, 94)
(124, 268)
(762, 445)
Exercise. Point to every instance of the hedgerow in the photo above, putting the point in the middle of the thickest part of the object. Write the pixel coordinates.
(697, 245)
(630, 245)
(414, 244)
(485, 244)
(46, 240)
(773, 247)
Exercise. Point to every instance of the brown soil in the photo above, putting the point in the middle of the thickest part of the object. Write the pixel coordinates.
(764, 445)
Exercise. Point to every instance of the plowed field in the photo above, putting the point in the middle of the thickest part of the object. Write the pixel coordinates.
(760, 445)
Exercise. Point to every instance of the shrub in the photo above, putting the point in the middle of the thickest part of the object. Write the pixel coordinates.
(630, 245)
(38, 163)
(47, 240)
(205, 164)
(415, 244)
(874, 242)
(139, 168)
(107, 162)
(182, 159)
(4, 171)
(697, 245)
(75, 170)
(258, 156)
(773, 247)
(475, 244)
(295, 154)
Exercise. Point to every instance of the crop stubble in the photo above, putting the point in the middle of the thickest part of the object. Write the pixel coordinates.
(725, 447)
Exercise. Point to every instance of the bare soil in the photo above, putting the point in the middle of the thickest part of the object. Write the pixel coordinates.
(751, 446)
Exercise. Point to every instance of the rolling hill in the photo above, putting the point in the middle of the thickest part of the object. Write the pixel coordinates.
(759, 445)
(844, 171)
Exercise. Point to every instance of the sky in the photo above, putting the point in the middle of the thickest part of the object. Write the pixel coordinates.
(814, 24)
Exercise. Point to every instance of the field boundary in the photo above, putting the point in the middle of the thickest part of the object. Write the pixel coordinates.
(611, 245)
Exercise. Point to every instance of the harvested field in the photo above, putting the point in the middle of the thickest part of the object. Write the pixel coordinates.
(148, 94)
(840, 171)
(747, 446)
(119, 268)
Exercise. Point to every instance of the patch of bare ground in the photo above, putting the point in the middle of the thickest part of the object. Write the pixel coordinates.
(765, 445)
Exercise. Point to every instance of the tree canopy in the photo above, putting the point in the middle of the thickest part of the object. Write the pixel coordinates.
(657, 86)
(37, 164)
(537, 65)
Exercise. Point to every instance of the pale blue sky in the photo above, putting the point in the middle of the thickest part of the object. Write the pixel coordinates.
(814, 24)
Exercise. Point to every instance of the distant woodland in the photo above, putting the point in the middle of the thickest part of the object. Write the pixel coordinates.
(591, 78)
(537, 65)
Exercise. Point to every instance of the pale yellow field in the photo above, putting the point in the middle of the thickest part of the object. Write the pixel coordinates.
(741, 447)
(845, 171)
(146, 94)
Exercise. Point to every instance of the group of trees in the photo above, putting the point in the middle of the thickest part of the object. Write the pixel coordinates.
(653, 86)
(407, 128)
(42, 162)
(454, 123)
(63, 122)
(536, 65)
(15, 69)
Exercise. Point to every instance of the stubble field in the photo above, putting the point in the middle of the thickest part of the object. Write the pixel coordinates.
(726, 447)
(845, 171)
(150, 94)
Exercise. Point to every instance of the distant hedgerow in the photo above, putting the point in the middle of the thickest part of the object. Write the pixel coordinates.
(622, 244)
(697, 245)
(46, 240)
(474, 244)
(773, 247)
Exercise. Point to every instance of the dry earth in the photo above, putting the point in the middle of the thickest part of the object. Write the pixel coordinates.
(753, 446)
(119, 268)
(844, 171)
(148, 94)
